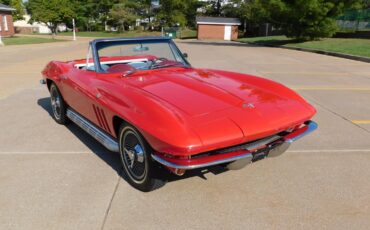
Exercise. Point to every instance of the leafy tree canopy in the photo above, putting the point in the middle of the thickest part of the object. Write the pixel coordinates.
(177, 12)
(124, 13)
(301, 19)
(51, 12)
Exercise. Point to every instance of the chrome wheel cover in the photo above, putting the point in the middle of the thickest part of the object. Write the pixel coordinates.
(133, 156)
(56, 101)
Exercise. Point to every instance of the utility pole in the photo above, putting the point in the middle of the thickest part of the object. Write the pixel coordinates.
(1, 40)
(74, 29)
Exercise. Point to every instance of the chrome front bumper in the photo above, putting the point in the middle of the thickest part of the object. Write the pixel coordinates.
(246, 155)
(254, 150)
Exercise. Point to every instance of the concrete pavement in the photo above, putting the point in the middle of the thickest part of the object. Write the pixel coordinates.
(56, 177)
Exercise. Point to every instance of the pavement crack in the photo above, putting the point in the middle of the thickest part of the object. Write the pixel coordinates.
(337, 114)
(111, 201)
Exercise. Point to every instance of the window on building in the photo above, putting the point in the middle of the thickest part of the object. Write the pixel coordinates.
(5, 21)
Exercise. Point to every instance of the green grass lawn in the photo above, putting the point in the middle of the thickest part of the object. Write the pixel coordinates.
(27, 40)
(102, 34)
(183, 34)
(352, 46)
(187, 34)
(266, 40)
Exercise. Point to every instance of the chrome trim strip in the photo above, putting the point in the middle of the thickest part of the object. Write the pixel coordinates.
(86, 125)
(172, 165)
(312, 126)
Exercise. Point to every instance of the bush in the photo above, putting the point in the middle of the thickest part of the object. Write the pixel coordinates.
(301, 19)
(139, 28)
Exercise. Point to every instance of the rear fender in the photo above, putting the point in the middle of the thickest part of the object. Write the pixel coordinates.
(54, 70)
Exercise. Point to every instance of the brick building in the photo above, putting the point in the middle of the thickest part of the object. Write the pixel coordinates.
(218, 28)
(6, 21)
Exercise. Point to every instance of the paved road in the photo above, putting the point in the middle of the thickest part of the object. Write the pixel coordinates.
(56, 177)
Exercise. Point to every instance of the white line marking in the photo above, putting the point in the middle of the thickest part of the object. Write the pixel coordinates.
(42, 153)
(289, 151)
(328, 150)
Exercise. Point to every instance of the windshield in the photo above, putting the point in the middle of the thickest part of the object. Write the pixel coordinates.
(139, 55)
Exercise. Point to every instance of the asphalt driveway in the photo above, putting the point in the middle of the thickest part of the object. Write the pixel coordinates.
(57, 177)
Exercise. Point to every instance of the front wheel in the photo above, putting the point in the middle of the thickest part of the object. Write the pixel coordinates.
(141, 171)
(58, 105)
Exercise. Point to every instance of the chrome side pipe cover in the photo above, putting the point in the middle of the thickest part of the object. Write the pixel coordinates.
(90, 128)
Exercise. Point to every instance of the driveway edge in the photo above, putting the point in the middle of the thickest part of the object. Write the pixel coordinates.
(340, 55)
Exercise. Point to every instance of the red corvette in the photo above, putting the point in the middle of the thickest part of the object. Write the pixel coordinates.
(141, 97)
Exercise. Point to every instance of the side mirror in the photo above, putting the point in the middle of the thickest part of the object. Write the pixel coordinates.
(185, 55)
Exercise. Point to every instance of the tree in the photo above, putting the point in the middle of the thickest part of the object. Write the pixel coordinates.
(171, 12)
(123, 15)
(19, 9)
(18, 6)
(51, 12)
(6, 2)
(191, 12)
(178, 12)
(92, 14)
(238, 9)
(214, 7)
(301, 19)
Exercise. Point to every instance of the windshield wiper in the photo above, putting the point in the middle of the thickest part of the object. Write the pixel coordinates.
(125, 74)
(158, 65)
(155, 66)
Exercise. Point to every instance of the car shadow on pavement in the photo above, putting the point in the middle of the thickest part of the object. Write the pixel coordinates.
(113, 159)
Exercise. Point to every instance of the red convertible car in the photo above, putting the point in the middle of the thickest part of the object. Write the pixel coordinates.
(141, 97)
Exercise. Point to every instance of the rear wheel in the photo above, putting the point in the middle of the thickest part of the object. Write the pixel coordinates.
(58, 105)
(141, 171)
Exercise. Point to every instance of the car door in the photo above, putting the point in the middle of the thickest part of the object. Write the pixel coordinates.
(78, 91)
(87, 92)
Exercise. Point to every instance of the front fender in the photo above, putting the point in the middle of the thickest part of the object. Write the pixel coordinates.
(165, 128)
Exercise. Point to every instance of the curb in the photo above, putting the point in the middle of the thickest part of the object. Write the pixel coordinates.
(340, 55)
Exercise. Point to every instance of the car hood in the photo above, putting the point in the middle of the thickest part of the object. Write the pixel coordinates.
(225, 106)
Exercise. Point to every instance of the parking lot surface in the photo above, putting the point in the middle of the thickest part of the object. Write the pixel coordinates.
(57, 177)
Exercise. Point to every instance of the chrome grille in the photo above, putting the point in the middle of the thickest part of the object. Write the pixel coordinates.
(245, 146)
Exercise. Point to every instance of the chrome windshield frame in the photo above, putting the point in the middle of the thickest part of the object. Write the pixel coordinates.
(98, 44)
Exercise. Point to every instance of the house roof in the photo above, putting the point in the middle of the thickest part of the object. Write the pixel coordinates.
(5, 8)
(218, 21)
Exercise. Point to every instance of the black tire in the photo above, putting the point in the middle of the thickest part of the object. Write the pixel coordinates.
(140, 169)
(58, 106)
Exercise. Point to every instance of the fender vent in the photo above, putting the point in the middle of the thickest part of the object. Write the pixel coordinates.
(100, 115)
